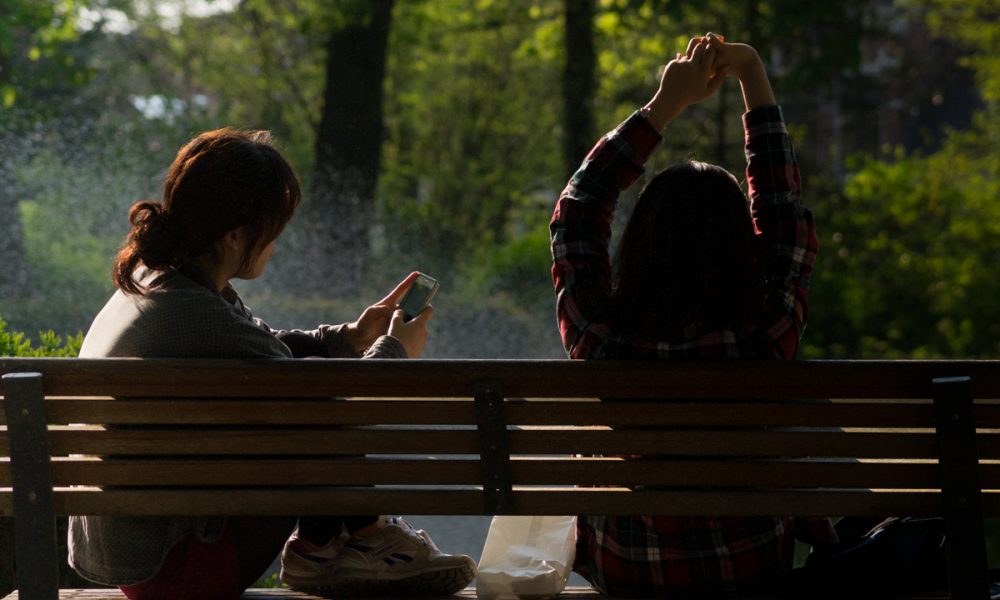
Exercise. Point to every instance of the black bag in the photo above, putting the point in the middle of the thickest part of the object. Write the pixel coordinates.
(899, 556)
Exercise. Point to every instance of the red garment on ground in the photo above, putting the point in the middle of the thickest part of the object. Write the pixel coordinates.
(194, 570)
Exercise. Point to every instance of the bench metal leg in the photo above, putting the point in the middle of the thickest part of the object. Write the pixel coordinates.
(31, 472)
(960, 488)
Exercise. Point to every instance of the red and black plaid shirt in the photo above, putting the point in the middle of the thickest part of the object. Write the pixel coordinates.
(659, 555)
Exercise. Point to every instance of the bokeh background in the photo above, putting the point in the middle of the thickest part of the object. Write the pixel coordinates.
(436, 134)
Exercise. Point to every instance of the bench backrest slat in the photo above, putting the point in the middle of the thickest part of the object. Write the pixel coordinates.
(839, 413)
(731, 438)
(520, 378)
(615, 501)
(168, 434)
(166, 442)
(554, 471)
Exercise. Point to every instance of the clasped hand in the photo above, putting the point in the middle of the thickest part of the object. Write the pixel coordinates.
(696, 74)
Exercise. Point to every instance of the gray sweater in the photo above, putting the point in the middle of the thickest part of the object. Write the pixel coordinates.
(180, 316)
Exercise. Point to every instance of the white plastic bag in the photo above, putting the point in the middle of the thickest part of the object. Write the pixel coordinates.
(526, 557)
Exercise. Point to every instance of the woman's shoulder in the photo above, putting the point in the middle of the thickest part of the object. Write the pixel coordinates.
(177, 318)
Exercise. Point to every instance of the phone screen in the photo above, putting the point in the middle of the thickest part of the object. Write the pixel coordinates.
(418, 296)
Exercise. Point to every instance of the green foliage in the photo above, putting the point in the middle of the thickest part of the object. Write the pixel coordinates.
(470, 131)
(13, 343)
(911, 255)
(910, 251)
(974, 24)
(498, 268)
(35, 35)
(471, 152)
(271, 581)
(515, 273)
(71, 187)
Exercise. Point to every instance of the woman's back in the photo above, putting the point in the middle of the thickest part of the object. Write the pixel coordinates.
(698, 276)
(179, 317)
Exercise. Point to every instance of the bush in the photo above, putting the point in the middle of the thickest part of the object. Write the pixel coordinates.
(14, 343)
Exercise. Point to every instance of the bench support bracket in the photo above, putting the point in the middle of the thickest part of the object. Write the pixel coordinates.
(961, 492)
(31, 473)
(494, 448)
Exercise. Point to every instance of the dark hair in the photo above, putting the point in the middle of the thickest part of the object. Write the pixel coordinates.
(221, 180)
(687, 254)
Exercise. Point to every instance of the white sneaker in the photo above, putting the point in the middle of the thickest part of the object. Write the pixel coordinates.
(305, 565)
(399, 560)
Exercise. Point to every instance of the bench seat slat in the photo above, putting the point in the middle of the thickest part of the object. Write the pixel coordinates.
(539, 471)
(526, 501)
(570, 593)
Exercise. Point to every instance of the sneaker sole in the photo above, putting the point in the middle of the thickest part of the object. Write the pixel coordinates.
(300, 583)
(444, 582)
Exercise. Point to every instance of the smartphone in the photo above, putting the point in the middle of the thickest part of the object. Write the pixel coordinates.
(418, 296)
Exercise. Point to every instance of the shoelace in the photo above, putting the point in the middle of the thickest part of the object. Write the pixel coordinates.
(420, 534)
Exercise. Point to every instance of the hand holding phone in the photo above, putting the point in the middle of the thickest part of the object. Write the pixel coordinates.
(377, 318)
(411, 334)
(409, 324)
(419, 295)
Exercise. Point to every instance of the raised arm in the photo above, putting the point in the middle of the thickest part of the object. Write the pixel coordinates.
(581, 223)
(786, 226)
(688, 79)
(743, 62)
(581, 228)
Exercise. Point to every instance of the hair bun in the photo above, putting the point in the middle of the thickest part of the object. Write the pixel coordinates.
(146, 213)
(149, 234)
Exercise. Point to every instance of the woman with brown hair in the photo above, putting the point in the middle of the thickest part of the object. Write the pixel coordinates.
(228, 195)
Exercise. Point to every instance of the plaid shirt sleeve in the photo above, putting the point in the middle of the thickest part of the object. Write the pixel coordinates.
(784, 224)
(581, 229)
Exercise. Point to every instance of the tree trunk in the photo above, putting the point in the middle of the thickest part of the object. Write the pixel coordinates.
(579, 82)
(340, 209)
(14, 272)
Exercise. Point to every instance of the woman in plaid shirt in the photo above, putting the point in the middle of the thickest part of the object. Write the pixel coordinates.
(699, 274)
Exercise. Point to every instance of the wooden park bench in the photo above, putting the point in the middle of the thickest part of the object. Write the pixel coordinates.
(486, 437)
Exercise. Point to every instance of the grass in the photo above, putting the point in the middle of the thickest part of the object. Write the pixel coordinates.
(270, 581)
